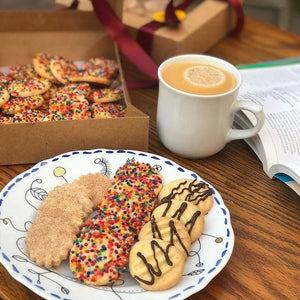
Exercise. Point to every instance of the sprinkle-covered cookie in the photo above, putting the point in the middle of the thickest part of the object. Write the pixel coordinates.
(70, 107)
(27, 87)
(108, 110)
(97, 71)
(105, 95)
(98, 258)
(146, 173)
(4, 95)
(61, 69)
(22, 71)
(15, 105)
(191, 190)
(132, 200)
(80, 89)
(41, 64)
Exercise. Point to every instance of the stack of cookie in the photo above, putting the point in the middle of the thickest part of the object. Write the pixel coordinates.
(60, 217)
(100, 253)
(157, 260)
(53, 88)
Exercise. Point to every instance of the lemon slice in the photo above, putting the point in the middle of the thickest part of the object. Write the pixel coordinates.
(204, 76)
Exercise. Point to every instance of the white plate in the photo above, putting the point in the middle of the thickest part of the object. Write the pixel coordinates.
(21, 197)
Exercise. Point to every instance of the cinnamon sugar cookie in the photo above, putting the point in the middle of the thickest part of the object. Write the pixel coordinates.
(97, 183)
(156, 264)
(49, 240)
(197, 192)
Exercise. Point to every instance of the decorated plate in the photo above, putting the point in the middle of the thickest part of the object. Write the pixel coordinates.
(21, 197)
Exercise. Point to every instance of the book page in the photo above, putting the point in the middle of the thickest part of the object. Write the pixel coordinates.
(278, 90)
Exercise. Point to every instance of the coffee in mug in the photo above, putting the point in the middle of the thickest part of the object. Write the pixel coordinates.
(197, 78)
(197, 100)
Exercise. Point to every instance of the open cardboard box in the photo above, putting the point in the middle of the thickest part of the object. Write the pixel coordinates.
(76, 35)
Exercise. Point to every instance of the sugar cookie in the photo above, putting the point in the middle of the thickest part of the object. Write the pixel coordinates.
(41, 64)
(186, 212)
(98, 258)
(142, 171)
(61, 69)
(27, 87)
(156, 264)
(4, 95)
(15, 105)
(105, 95)
(191, 190)
(97, 183)
(168, 229)
(22, 71)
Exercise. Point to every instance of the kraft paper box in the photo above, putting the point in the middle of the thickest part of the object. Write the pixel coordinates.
(75, 35)
(204, 25)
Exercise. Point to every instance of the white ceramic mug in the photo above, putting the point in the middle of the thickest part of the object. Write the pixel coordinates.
(197, 126)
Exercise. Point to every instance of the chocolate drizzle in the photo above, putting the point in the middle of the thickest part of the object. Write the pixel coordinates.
(179, 212)
(154, 271)
(156, 233)
(196, 191)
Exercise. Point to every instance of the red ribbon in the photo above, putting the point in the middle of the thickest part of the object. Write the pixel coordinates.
(127, 44)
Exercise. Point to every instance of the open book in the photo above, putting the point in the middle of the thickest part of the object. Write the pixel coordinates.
(276, 86)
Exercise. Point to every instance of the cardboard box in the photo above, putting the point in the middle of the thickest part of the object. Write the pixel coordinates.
(205, 24)
(75, 35)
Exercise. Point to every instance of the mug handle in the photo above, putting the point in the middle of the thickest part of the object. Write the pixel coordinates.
(257, 110)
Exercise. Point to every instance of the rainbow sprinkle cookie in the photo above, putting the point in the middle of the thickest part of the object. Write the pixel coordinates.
(130, 200)
(96, 70)
(22, 71)
(41, 64)
(61, 69)
(105, 95)
(70, 107)
(16, 105)
(4, 95)
(108, 110)
(4, 79)
(98, 258)
(27, 87)
(142, 171)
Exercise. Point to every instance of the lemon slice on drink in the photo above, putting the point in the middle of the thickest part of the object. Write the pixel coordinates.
(206, 76)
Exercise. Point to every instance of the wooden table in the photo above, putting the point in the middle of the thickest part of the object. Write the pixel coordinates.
(265, 213)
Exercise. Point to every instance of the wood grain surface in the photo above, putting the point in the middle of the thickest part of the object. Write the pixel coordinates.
(265, 213)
